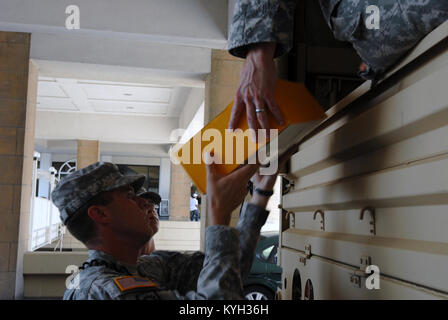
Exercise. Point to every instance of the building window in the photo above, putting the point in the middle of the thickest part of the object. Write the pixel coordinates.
(64, 168)
(150, 172)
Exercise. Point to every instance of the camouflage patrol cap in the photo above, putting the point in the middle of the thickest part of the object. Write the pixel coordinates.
(75, 190)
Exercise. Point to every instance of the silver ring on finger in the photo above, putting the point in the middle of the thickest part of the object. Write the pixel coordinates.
(260, 110)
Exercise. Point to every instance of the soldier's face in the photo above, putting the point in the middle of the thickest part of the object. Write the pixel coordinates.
(151, 211)
(132, 215)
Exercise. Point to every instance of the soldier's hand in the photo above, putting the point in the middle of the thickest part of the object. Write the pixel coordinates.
(255, 93)
(225, 193)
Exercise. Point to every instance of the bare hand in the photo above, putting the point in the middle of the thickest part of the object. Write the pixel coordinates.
(225, 193)
(256, 89)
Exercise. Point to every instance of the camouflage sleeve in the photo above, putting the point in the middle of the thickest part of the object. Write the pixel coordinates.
(213, 275)
(252, 219)
(173, 270)
(178, 271)
(220, 275)
(256, 21)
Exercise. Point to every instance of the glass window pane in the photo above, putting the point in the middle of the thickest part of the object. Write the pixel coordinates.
(150, 172)
(267, 252)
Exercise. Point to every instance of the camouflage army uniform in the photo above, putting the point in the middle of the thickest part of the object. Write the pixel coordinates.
(403, 23)
(177, 271)
(216, 274)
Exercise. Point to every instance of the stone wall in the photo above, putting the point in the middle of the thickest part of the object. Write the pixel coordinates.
(18, 92)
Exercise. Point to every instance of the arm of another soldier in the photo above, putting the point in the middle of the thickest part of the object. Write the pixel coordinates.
(181, 271)
(220, 276)
(257, 21)
(254, 216)
(261, 30)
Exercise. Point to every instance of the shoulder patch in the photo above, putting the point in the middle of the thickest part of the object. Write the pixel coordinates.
(126, 283)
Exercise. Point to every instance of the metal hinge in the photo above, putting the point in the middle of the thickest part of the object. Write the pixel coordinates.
(289, 185)
(305, 256)
(364, 262)
(308, 251)
(293, 220)
(355, 280)
(356, 276)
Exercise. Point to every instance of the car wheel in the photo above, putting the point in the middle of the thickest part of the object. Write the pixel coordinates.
(258, 293)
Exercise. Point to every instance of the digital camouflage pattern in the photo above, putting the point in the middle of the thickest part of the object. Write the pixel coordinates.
(257, 21)
(403, 23)
(75, 190)
(217, 274)
(180, 272)
(96, 282)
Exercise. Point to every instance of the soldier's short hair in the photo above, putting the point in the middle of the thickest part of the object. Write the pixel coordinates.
(82, 227)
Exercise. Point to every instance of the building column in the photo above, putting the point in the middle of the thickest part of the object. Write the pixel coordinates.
(18, 91)
(180, 188)
(220, 89)
(88, 153)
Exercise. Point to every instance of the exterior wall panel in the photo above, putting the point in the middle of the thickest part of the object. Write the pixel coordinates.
(385, 150)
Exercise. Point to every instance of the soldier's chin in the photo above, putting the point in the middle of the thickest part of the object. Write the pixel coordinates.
(152, 224)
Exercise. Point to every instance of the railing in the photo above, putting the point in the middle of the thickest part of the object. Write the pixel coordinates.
(46, 223)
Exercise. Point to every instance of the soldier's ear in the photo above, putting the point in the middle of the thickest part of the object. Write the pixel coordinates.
(99, 214)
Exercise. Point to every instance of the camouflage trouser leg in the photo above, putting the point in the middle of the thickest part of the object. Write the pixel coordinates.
(402, 24)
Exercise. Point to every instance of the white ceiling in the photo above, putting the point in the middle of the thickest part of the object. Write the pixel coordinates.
(104, 97)
(200, 23)
(69, 147)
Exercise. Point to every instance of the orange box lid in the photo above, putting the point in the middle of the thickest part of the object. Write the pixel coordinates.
(297, 106)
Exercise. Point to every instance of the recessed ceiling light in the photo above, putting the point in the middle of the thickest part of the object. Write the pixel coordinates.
(130, 108)
(127, 94)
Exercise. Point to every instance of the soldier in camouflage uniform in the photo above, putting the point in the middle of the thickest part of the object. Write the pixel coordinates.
(99, 207)
(181, 272)
(269, 24)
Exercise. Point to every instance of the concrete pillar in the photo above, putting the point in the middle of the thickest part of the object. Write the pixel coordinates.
(220, 89)
(88, 153)
(44, 184)
(180, 187)
(221, 84)
(18, 91)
